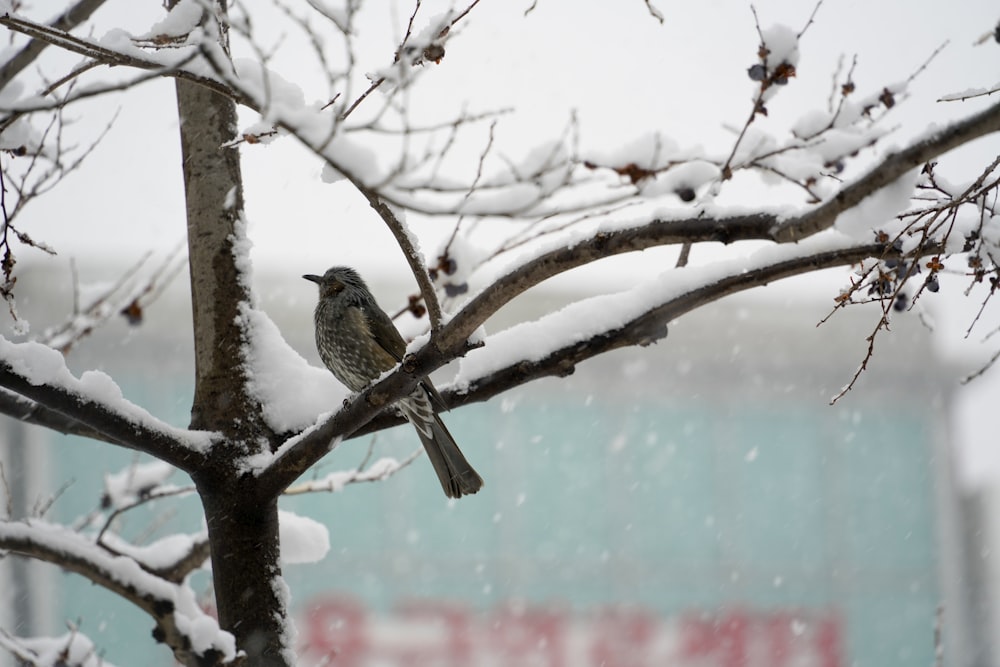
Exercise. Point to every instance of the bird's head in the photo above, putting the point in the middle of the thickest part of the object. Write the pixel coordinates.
(335, 280)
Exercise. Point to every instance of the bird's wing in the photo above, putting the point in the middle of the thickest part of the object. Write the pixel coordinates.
(384, 332)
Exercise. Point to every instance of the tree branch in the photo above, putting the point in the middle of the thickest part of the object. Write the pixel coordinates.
(115, 427)
(413, 258)
(66, 21)
(301, 451)
(172, 607)
(758, 226)
(602, 244)
(30, 412)
(891, 168)
(102, 54)
(642, 330)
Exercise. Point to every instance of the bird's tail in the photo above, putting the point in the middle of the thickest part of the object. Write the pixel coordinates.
(457, 476)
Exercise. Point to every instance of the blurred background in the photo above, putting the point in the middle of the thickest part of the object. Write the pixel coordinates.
(697, 502)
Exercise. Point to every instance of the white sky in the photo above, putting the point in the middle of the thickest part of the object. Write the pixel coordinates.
(613, 64)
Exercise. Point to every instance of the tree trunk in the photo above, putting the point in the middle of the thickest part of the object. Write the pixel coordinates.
(246, 570)
(242, 526)
(214, 196)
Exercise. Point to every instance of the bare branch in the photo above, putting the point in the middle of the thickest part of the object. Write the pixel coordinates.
(410, 252)
(653, 11)
(69, 19)
(129, 296)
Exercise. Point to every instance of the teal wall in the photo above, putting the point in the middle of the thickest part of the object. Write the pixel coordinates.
(738, 502)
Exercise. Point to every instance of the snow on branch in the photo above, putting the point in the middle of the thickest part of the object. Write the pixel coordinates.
(333, 482)
(30, 412)
(192, 635)
(638, 316)
(38, 373)
(172, 558)
(888, 170)
(73, 649)
(883, 194)
(117, 49)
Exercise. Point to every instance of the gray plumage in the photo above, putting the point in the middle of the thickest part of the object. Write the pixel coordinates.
(358, 342)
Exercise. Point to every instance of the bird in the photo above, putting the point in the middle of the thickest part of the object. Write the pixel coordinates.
(358, 342)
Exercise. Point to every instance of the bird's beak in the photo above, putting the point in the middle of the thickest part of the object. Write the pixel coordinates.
(311, 277)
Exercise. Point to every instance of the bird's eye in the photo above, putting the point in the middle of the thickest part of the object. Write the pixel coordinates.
(336, 287)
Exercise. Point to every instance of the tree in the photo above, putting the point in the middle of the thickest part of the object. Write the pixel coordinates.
(895, 216)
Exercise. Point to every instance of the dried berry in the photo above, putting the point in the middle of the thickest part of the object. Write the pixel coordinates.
(782, 73)
(757, 72)
(451, 289)
(434, 53)
(133, 313)
(887, 98)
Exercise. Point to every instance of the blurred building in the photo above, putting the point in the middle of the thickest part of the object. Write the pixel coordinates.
(695, 503)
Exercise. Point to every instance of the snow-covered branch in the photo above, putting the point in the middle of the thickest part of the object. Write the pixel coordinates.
(887, 171)
(118, 54)
(39, 373)
(557, 342)
(73, 649)
(333, 482)
(192, 635)
(639, 316)
(30, 412)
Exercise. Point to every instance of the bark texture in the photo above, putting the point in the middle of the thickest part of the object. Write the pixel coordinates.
(242, 525)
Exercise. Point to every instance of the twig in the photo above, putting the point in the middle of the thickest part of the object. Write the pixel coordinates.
(472, 187)
(682, 258)
(812, 17)
(150, 496)
(42, 507)
(927, 62)
(962, 98)
(410, 252)
(336, 481)
(883, 323)
(654, 12)
(757, 103)
(982, 369)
